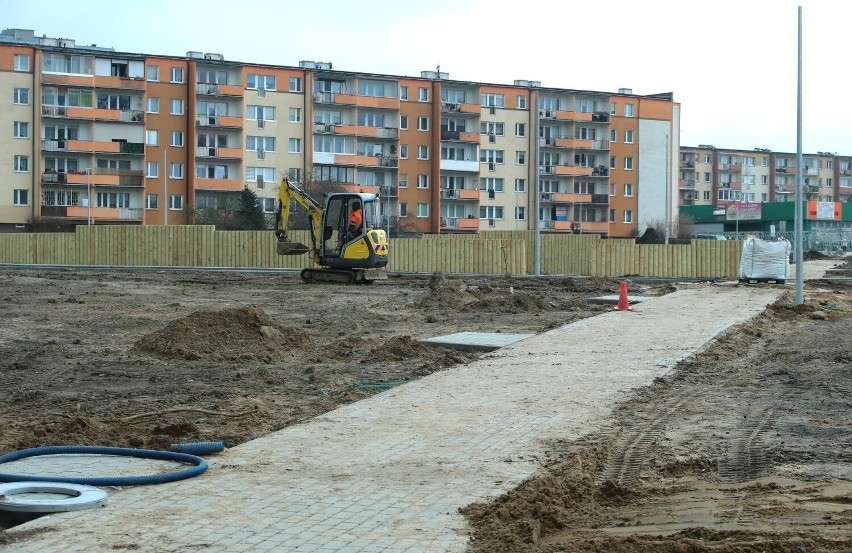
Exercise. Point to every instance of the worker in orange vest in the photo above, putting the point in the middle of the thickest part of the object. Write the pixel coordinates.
(356, 219)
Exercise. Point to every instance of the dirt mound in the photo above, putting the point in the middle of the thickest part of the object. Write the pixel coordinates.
(238, 334)
(519, 302)
(812, 255)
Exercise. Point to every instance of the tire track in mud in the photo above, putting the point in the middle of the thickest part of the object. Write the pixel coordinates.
(631, 449)
(748, 457)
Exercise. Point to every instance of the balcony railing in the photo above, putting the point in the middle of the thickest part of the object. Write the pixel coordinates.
(600, 171)
(600, 117)
(388, 191)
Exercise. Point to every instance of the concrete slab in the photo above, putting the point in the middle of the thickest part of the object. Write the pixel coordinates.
(476, 341)
(613, 300)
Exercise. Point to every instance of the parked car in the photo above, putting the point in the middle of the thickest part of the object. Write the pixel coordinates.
(708, 237)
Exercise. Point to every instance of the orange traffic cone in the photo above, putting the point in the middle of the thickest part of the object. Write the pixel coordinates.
(623, 303)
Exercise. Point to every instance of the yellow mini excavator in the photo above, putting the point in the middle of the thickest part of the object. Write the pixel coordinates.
(343, 250)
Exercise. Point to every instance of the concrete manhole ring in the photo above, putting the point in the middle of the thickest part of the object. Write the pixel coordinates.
(80, 497)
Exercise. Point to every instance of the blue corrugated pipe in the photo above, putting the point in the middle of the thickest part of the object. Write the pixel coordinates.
(199, 448)
(200, 465)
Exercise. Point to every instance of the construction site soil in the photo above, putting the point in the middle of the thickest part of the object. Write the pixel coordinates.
(744, 447)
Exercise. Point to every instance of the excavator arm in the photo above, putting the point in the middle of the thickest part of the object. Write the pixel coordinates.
(286, 193)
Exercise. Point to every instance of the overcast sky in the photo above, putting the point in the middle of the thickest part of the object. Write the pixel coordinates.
(732, 65)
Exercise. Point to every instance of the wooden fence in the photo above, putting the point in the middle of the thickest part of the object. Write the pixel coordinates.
(498, 252)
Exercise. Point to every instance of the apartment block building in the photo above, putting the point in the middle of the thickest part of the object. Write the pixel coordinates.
(89, 135)
(717, 176)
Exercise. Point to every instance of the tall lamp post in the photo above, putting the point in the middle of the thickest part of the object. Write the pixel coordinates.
(89, 195)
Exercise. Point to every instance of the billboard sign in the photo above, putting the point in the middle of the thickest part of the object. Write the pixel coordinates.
(824, 211)
(743, 211)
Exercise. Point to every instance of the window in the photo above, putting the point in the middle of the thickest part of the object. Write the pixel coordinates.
(628, 163)
(520, 129)
(521, 102)
(422, 152)
(294, 145)
(520, 158)
(491, 212)
(152, 73)
(371, 119)
(520, 213)
(260, 113)
(175, 202)
(611, 215)
(261, 175)
(613, 189)
(152, 201)
(748, 161)
(403, 151)
(260, 82)
(152, 169)
(422, 181)
(295, 84)
(707, 195)
(520, 185)
(628, 137)
(265, 144)
(152, 138)
(403, 122)
(267, 205)
(628, 110)
(492, 100)
(706, 158)
(403, 209)
(112, 199)
(491, 156)
(422, 123)
(21, 96)
(22, 164)
(294, 115)
(176, 107)
(706, 177)
(628, 216)
(403, 181)
(176, 75)
(153, 105)
(748, 180)
(764, 162)
(176, 170)
(613, 135)
(21, 129)
(491, 184)
(22, 62)
(176, 139)
(763, 197)
(422, 94)
(403, 93)
(422, 210)
(613, 108)
(628, 190)
(613, 163)
(491, 128)
(21, 197)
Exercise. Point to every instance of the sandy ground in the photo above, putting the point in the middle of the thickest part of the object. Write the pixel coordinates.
(745, 447)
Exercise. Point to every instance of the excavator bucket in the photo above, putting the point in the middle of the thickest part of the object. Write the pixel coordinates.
(291, 248)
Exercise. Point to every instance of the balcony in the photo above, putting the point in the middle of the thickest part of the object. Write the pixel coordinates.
(460, 108)
(82, 213)
(99, 177)
(460, 165)
(687, 165)
(224, 121)
(388, 191)
(785, 188)
(687, 183)
(218, 152)
(600, 117)
(334, 98)
(459, 194)
(88, 146)
(70, 112)
(358, 130)
(69, 80)
(732, 185)
(377, 102)
(204, 89)
(468, 223)
(120, 83)
(460, 136)
(219, 185)
(731, 167)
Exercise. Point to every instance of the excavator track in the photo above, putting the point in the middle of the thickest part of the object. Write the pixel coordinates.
(343, 276)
